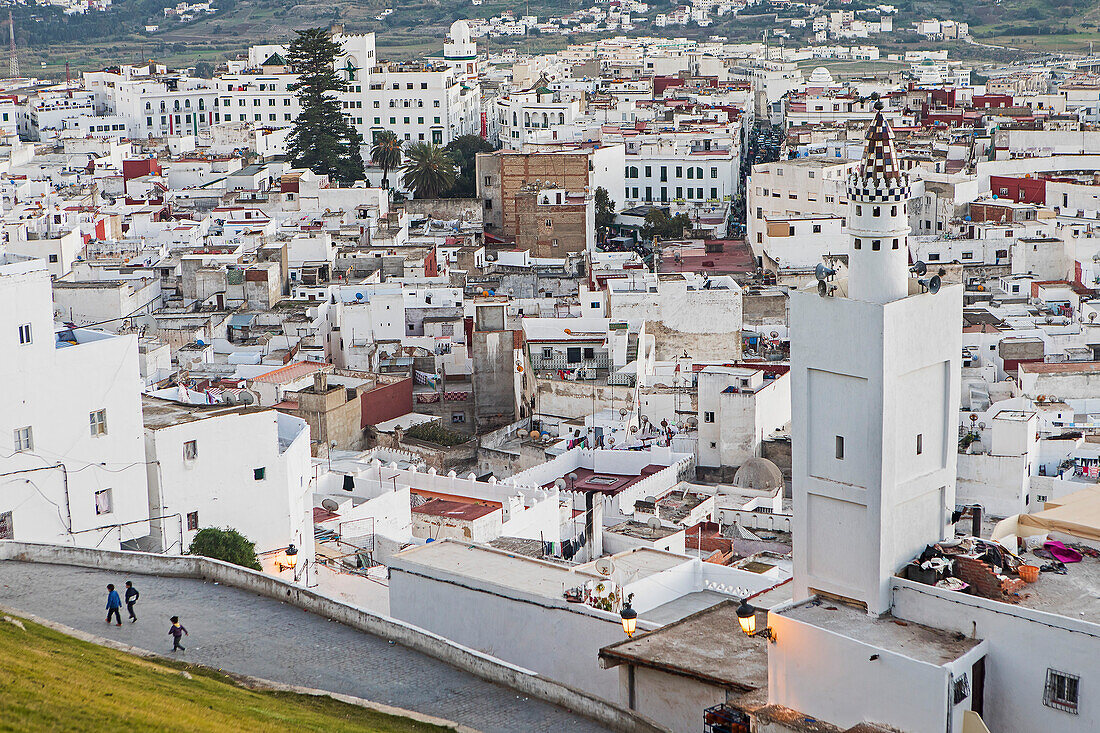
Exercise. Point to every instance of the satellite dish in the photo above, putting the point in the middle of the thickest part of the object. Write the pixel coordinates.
(623, 411)
(1092, 316)
(199, 342)
(822, 273)
(229, 399)
(329, 505)
(246, 398)
(822, 288)
(918, 268)
(358, 296)
(146, 322)
(651, 499)
(604, 566)
(653, 523)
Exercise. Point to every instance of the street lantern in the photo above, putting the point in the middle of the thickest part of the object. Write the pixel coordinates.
(291, 556)
(630, 617)
(746, 617)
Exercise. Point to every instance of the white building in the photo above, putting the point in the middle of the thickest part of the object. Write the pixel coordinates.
(243, 467)
(738, 408)
(72, 467)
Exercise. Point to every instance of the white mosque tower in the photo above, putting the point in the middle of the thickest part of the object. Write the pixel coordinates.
(875, 392)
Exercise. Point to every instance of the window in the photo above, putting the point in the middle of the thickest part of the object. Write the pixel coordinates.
(859, 210)
(192, 521)
(53, 259)
(1061, 691)
(933, 256)
(876, 244)
(817, 229)
(876, 211)
(25, 333)
(920, 443)
(24, 439)
(840, 447)
(708, 417)
(98, 421)
(573, 354)
(859, 243)
(589, 352)
(547, 352)
(968, 255)
(103, 502)
(713, 172)
(259, 474)
(190, 450)
(962, 688)
(458, 417)
(895, 244)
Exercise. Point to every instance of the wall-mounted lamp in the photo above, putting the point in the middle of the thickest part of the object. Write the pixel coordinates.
(746, 616)
(629, 616)
(291, 558)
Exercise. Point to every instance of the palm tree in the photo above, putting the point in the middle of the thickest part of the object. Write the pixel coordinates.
(428, 170)
(385, 152)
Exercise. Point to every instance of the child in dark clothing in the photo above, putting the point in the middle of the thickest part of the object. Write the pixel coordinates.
(176, 632)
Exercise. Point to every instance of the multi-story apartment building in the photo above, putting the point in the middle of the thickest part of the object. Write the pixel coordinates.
(421, 102)
(156, 103)
(785, 197)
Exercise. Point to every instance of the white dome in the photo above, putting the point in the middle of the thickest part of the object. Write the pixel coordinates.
(821, 75)
(460, 32)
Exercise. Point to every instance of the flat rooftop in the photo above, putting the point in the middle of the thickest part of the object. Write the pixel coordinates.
(693, 647)
(1075, 594)
(922, 643)
(605, 483)
(463, 510)
(641, 562)
(489, 565)
(158, 413)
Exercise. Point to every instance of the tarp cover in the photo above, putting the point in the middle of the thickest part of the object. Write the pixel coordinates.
(1076, 514)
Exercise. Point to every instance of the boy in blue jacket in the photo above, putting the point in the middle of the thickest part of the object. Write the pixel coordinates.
(113, 604)
(177, 631)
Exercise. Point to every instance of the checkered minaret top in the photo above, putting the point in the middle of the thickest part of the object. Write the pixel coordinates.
(880, 160)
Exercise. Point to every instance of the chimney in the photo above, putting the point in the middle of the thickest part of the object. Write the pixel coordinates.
(320, 382)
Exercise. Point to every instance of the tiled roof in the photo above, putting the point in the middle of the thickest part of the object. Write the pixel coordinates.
(290, 372)
(880, 160)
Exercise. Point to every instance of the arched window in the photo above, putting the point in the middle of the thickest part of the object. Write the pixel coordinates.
(526, 119)
(515, 119)
(561, 118)
(202, 103)
(545, 120)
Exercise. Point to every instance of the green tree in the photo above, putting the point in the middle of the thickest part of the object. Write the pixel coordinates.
(204, 70)
(428, 170)
(323, 138)
(463, 151)
(385, 152)
(605, 209)
(659, 225)
(225, 544)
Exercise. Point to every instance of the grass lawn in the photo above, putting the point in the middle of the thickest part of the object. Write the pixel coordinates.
(52, 682)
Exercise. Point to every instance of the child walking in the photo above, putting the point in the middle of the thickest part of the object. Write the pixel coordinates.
(113, 604)
(176, 632)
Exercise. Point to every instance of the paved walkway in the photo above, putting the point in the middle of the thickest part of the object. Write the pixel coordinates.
(240, 632)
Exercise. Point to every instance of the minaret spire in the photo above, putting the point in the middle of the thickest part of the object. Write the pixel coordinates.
(878, 262)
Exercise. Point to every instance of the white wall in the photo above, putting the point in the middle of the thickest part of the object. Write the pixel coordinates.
(53, 390)
(554, 641)
(1021, 645)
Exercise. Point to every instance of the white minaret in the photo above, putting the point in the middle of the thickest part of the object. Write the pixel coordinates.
(874, 392)
(878, 225)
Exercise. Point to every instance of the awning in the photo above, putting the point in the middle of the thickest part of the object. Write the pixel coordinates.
(1076, 514)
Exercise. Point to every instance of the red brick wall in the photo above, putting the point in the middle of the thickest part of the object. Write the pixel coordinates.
(387, 402)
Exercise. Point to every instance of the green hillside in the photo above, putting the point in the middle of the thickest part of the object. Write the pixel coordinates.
(52, 682)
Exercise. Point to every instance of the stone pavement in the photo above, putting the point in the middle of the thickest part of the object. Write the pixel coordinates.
(240, 632)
